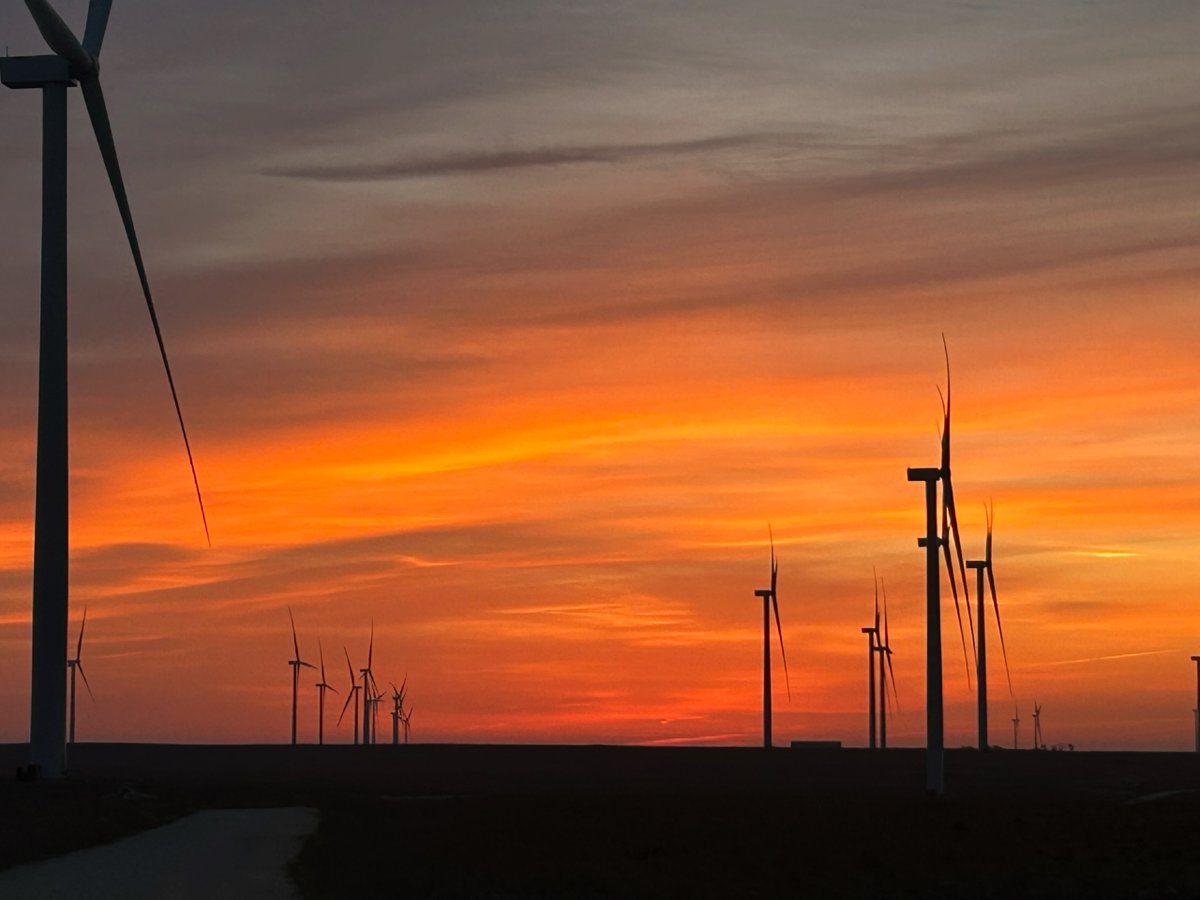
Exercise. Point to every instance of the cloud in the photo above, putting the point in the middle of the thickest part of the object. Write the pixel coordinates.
(479, 163)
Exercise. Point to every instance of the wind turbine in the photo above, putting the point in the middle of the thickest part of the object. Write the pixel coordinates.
(1016, 722)
(369, 689)
(1037, 726)
(376, 699)
(1196, 711)
(71, 63)
(931, 542)
(886, 676)
(76, 665)
(407, 723)
(398, 708)
(980, 566)
(872, 634)
(771, 599)
(351, 695)
(322, 687)
(296, 664)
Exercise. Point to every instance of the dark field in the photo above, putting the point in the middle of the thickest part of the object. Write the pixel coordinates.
(467, 821)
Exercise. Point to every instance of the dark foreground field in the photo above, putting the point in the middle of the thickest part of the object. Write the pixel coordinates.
(463, 821)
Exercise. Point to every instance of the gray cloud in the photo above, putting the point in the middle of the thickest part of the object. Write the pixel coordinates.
(477, 163)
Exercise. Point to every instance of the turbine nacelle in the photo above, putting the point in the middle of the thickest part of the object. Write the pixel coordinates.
(84, 65)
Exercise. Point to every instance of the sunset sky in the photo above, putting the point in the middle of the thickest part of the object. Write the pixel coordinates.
(511, 326)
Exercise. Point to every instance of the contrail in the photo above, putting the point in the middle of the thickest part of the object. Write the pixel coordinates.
(1087, 659)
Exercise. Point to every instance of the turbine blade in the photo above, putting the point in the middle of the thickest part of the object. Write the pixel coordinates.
(321, 651)
(79, 666)
(371, 646)
(97, 22)
(954, 589)
(98, 113)
(999, 628)
(79, 645)
(779, 628)
(989, 513)
(60, 38)
(892, 680)
(307, 665)
(876, 575)
(295, 642)
(887, 648)
(345, 706)
(774, 561)
(948, 496)
(349, 668)
(887, 640)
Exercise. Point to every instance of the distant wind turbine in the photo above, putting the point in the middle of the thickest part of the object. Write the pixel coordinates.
(770, 599)
(1037, 726)
(887, 677)
(76, 665)
(398, 708)
(980, 566)
(872, 634)
(71, 63)
(322, 687)
(1196, 660)
(351, 696)
(1016, 723)
(296, 664)
(369, 689)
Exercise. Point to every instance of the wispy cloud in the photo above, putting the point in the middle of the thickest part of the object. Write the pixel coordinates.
(483, 162)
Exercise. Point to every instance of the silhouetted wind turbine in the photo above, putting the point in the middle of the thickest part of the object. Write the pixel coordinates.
(771, 599)
(1016, 722)
(931, 542)
(76, 665)
(296, 664)
(1037, 726)
(322, 687)
(1196, 660)
(887, 676)
(71, 63)
(980, 566)
(398, 708)
(351, 696)
(407, 721)
(872, 634)
(369, 689)
(376, 699)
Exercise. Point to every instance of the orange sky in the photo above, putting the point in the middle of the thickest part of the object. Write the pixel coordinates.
(530, 410)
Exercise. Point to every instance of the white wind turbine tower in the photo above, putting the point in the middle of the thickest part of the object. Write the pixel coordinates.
(71, 64)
